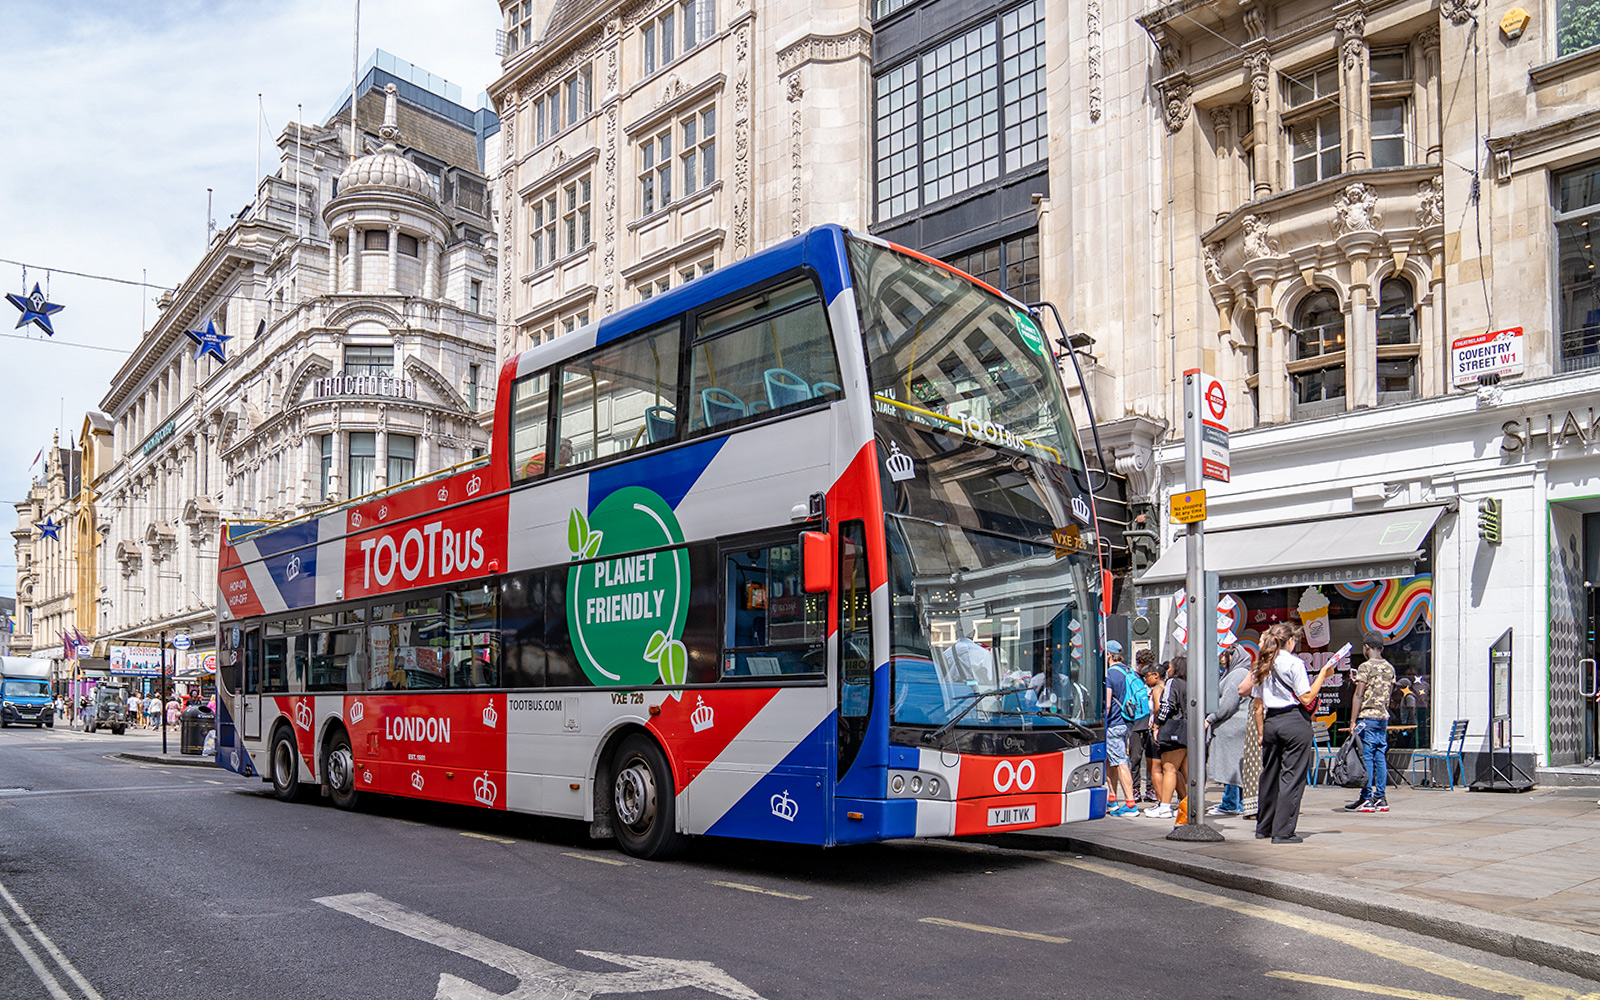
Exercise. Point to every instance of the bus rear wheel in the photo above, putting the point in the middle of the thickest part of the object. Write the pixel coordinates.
(285, 766)
(340, 770)
(643, 800)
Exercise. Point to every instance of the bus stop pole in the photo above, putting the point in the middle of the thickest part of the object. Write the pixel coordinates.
(1202, 627)
(161, 713)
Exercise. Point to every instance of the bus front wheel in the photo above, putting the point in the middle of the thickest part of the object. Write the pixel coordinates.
(644, 801)
(285, 766)
(340, 770)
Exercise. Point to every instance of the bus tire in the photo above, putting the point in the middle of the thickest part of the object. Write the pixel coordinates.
(285, 766)
(119, 730)
(339, 768)
(643, 800)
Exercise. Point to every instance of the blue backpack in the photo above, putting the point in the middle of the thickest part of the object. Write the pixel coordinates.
(1135, 696)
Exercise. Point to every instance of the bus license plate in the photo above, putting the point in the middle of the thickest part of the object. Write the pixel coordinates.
(1010, 815)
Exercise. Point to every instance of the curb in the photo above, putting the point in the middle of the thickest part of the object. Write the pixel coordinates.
(1513, 937)
(170, 759)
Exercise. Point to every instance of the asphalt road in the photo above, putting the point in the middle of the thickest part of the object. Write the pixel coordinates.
(142, 881)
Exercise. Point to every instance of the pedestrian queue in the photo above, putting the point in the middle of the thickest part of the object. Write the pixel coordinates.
(1226, 729)
(1284, 696)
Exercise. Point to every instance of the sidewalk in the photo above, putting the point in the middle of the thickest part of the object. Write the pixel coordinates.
(1513, 874)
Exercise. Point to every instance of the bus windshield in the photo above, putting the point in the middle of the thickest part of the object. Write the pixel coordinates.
(973, 613)
(942, 350)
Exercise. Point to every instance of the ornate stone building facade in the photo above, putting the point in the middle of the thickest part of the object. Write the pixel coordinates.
(356, 299)
(646, 143)
(47, 567)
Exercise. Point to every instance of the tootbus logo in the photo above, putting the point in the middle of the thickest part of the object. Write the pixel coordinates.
(429, 551)
(1021, 775)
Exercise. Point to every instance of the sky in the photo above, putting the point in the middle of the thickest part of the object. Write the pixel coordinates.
(119, 114)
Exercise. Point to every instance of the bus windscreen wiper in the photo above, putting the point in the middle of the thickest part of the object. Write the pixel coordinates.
(974, 698)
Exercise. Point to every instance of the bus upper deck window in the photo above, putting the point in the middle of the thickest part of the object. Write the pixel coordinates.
(530, 424)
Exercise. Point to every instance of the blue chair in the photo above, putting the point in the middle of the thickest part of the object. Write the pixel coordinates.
(823, 388)
(1322, 746)
(721, 406)
(785, 388)
(1453, 755)
(660, 423)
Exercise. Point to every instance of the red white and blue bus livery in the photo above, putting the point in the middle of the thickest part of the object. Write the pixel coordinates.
(779, 554)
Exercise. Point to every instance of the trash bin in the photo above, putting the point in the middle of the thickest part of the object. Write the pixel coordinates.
(192, 729)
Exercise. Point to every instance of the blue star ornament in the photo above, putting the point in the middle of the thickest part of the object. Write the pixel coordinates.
(35, 309)
(209, 341)
(48, 528)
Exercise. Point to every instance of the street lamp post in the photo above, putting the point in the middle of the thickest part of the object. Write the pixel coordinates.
(161, 711)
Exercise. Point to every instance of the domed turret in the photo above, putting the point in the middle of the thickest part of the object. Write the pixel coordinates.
(387, 170)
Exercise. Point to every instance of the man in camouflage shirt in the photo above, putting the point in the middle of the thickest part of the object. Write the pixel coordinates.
(1374, 680)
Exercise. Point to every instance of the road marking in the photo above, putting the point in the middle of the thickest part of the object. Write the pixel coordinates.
(1345, 984)
(212, 781)
(986, 929)
(591, 857)
(50, 982)
(485, 836)
(18, 793)
(1467, 973)
(756, 888)
(539, 978)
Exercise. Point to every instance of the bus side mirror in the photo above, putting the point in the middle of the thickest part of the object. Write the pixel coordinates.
(1105, 591)
(816, 555)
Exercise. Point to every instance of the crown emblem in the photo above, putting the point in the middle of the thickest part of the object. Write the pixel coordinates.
(490, 716)
(292, 570)
(899, 463)
(473, 486)
(355, 519)
(1080, 509)
(784, 807)
(383, 512)
(302, 715)
(703, 717)
(366, 776)
(484, 790)
(444, 494)
(356, 712)
(233, 759)
(416, 780)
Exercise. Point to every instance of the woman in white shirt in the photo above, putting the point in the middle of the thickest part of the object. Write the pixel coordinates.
(1284, 696)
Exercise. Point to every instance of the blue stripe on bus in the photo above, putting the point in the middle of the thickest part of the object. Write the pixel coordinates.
(670, 474)
(881, 819)
(822, 249)
(290, 555)
(788, 802)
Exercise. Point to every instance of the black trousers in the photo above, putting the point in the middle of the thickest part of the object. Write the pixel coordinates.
(1286, 750)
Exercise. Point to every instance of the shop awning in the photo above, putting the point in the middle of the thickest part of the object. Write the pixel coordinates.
(1338, 549)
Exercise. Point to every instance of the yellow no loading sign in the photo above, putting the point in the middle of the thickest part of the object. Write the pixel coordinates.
(1187, 508)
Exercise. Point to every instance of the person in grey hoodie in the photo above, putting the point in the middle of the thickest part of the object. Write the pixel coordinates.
(1227, 728)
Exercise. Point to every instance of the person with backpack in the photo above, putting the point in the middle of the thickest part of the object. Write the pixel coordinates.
(1127, 705)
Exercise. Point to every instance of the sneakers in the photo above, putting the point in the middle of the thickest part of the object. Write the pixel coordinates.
(1219, 811)
(1163, 811)
(1379, 806)
(1383, 805)
(1356, 805)
(1121, 809)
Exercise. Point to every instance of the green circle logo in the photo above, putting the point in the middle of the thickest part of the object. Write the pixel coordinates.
(1029, 332)
(626, 609)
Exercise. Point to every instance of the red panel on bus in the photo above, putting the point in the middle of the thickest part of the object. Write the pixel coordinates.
(424, 536)
(446, 747)
(983, 776)
(301, 711)
(239, 598)
(700, 725)
(1009, 812)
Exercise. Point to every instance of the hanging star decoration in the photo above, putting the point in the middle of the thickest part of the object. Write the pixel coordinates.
(48, 528)
(35, 309)
(209, 341)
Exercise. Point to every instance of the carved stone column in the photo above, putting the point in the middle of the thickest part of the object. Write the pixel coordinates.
(352, 268)
(394, 259)
(1356, 222)
(1259, 66)
(1227, 189)
(1355, 126)
(429, 249)
(1426, 88)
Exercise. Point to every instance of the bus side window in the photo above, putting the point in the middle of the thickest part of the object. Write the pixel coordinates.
(619, 398)
(530, 426)
(855, 642)
(522, 625)
(275, 656)
(252, 661)
(472, 629)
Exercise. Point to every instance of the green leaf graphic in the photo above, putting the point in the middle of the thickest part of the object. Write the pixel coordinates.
(674, 663)
(652, 649)
(577, 532)
(592, 546)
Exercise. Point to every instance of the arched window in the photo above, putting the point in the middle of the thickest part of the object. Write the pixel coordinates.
(1317, 366)
(1397, 342)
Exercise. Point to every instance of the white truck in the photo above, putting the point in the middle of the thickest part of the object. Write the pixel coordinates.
(25, 692)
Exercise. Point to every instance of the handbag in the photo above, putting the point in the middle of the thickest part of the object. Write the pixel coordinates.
(1349, 770)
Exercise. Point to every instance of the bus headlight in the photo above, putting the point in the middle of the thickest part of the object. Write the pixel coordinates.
(897, 784)
(933, 786)
(916, 784)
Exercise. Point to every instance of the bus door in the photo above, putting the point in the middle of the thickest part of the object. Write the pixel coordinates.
(247, 702)
(855, 644)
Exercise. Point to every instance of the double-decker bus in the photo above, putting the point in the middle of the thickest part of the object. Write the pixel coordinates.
(802, 550)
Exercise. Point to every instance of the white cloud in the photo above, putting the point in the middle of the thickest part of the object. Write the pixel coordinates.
(121, 115)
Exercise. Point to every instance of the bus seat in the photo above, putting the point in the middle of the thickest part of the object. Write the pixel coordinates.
(721, 406)
(823, 388)
(759, 406)
(785, 388)
(660, 422)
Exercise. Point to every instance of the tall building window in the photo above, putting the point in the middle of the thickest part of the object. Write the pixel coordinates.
(564, 105)
(1398, 346)
(1391, 108)
(519, 26)
(1577, 25)
(1317, 365)
(1311, 122)
(363, 462)
(575, 219)
(575, 321)
(699, 150)
(326, 441)
(655, 172)
(1577, 215)
(408, 244)
(472, 388)
(961, 114)
(368, 359)
(692, 22)
(375, 239)
(402, 458)
(475, 295)
(1010, 265)
(542, 230)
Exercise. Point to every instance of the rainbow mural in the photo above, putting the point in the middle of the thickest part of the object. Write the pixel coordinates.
(1393, 607)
